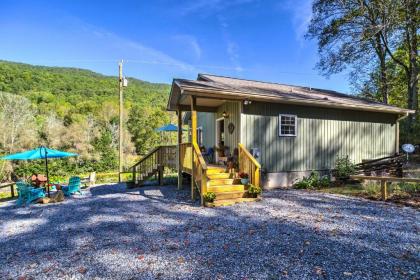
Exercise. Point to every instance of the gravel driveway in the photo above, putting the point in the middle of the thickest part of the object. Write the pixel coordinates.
(152, 232)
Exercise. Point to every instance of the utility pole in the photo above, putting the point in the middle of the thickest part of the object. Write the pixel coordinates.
(120, 76)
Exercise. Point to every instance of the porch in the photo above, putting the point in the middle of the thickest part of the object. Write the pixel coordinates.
(214, 181)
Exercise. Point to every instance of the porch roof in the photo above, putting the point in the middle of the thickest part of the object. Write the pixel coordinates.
(212, 91)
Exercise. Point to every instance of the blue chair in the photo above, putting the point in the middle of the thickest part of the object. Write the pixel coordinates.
(73, 186)
(27, 193)
(209, 155)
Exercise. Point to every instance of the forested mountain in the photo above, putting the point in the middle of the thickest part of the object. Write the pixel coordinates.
(76, 110)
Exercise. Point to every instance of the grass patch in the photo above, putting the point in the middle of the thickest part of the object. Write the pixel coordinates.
(402, 193)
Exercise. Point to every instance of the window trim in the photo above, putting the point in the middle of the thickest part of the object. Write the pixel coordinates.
(296, 125)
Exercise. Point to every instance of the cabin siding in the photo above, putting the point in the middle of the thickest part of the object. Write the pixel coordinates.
(323, 134)
(234, 111)
(207, 122)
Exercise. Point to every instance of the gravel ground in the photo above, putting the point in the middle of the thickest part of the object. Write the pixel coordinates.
(153, 232)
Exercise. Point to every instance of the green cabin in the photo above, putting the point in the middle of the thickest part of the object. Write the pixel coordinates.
(289, 130)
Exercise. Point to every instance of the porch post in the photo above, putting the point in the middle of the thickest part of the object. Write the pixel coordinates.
(179, 113)
(193, 141)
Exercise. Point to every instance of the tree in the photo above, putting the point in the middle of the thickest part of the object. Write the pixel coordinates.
(347, 34)
(16, 122)
(400, 27)
(142, 123)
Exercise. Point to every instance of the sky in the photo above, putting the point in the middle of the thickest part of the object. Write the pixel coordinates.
(164, 39)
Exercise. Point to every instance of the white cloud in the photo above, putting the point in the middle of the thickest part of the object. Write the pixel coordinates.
(191, 42)
(211, 6)
(232, 48)
(301, 11)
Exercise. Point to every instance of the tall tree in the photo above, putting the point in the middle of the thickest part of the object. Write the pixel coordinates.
(401, 27)
(347, 35)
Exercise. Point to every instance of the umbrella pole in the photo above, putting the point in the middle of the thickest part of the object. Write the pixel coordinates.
(46, 170)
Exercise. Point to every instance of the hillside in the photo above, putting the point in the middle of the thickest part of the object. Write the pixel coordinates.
(76, 109)
(74, 86)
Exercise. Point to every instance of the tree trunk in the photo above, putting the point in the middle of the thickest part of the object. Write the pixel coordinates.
(413, 68)
(384, 79)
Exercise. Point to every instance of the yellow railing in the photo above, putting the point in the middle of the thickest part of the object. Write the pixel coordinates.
(185, 156)
(199, 172)
(249, 165)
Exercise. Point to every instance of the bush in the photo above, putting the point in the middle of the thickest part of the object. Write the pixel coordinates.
(209, 197)
(344, 167)
(254, 190)
(313, 181)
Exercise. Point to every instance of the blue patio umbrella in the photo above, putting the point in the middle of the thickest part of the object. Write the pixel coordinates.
(167, 128)
(40, 153)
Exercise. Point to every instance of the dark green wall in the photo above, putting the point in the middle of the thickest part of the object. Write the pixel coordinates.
(323, 134)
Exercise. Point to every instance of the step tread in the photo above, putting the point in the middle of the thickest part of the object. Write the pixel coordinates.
(228, 202)
(225, 188)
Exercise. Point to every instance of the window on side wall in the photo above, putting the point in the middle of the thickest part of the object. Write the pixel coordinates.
(287, 125)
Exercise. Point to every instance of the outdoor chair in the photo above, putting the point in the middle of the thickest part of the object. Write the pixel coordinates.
(27, 193)
(209, 155)
(73, 186)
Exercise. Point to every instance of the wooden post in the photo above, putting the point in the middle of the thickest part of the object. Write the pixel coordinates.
(12, 190)
(193, 141)
(397, 137)
(120, 148)
(257, 177)
(161, 175)
(384, 191)
(179, 113)
(203, 186)
(134, 175)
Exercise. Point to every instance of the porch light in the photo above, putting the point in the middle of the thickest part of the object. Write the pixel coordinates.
(225, 115)
(247, 102)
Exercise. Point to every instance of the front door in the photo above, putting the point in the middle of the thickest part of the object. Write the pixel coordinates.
(220, 134)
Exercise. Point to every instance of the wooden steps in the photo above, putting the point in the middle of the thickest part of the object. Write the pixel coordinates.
(228, 190)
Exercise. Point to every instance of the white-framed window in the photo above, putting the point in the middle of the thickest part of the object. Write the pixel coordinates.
(287, 125)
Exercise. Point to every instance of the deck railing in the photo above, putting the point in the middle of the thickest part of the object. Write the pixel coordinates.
(185, 157)
(199, 172)
(156, 159)
(249, 165)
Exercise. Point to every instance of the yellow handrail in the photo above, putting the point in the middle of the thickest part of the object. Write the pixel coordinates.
(249, 165)
(199, 171)
(200, 156)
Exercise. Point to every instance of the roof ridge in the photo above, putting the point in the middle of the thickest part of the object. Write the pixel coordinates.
(272, 83)
(311, 89)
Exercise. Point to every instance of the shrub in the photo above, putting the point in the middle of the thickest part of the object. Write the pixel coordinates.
(209, 197)
(254, 190)
(313, 181)
(344, 167)
(325, 181)
(243, 175)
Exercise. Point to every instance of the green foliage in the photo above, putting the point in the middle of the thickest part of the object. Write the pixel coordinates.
(254, 190)
(314, 181)
(344, 167)
(209, 197)
(77, 110)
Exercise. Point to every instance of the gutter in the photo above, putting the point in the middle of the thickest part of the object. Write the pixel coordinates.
(310, 102)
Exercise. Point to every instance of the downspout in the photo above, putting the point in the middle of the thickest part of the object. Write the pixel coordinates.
(397, 132)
